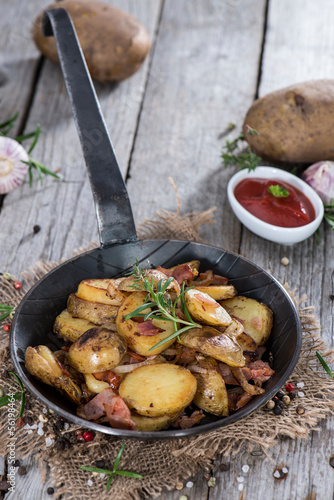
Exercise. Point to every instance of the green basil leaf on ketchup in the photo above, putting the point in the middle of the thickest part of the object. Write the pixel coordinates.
(275, 202)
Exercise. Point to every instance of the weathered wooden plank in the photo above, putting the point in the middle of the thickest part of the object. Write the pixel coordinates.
(191, 99)
(65, 211)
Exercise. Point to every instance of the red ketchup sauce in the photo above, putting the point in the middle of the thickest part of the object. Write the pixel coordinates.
(294, 210)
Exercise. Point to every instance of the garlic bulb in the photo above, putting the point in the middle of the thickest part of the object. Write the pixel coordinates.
(320, 176)
(12, 170)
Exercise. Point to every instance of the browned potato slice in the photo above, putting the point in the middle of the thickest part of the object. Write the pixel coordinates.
(153, 424)
(96, 290)
(156, 390)
(69, 327)
(129, 329)
(194, 265)
(99, 314)
(256, 317)
(205, 309)
(94, 385)
(42, 364)
(236, 331)
(97, 350)
(220, 292)
(211, 394)
(212, 342)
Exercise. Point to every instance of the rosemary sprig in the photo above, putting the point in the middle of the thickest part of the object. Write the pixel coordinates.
(6, 126)
(236, 155)
(324, 364)
(329, 214)
(6, 311)
(18, 395)
(111, 473)
(164, 307)
(5, 399)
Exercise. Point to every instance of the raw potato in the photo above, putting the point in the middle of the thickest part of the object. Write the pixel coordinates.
(99, 314)
(71, 328)
(153, 424)
(205, 309)
(97, 291)
(256, 317)
(128, 329)
(294, 124)
(97, 350)
(114, 43)
(211, 394)
(212, 342)
(157, 390)
(220, 292)
(41, 362)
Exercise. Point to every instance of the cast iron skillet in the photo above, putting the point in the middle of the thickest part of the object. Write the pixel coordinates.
(32, 324)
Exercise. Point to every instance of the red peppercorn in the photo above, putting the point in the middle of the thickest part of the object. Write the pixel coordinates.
(17, 284)
(290, 387)
(88, 436)
(6, 327)
(20, 422)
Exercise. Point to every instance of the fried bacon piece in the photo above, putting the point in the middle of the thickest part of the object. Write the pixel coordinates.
(119, 415)
(185, 422)
(180, 273)
(147, 328)
(94, 409)
(251, 389)
(258, 371)
(237, 398)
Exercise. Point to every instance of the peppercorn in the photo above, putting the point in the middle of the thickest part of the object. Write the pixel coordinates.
(17, 284)
(20, 422)
(290, 387)
(300, 410)
(59, 425)
(80, 438)
(331, 461)
(292, 395)
(88, 436)
(72, 439)
(279, 404)
(17, 463)
(277, 410)
(60, 444)
(100, 464)
(279, 394)
(36, 228)
(271, 404)
(6, 327)
(29, 420)
(286, 400)
(78, 432)
(22, 470)
(50, 490)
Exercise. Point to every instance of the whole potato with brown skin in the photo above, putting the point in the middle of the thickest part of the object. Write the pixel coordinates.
(294, 124)
(114, 43)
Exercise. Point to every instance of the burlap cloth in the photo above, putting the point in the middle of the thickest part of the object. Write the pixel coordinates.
(165, 463)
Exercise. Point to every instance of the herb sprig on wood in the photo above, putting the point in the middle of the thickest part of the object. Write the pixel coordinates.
(236, 153)
(163, 307)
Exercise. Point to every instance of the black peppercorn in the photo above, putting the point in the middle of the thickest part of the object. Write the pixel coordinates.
(279, 394)
(21, 470)
(292, 395)
(50, 490)
(17, 463)
(59, 425)
(277, 410)
(100, 464)
(36, 228)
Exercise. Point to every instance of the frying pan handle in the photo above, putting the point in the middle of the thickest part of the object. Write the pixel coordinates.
(112, 204)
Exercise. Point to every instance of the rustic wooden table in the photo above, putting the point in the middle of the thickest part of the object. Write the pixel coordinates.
(209, 60)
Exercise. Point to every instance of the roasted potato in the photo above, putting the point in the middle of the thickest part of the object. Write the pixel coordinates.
(212, 342)
(294, 123)
(220, 292)
(114, 43)
(95, 386)
(245, 341)
(129, 329)
(97, 350)
(41, 362)
(153, 424)
(99, 314)
(211, 393)
(157, 390)
(98, 291)
(133, 284)
(257, 318)
(70, 328)
(205, 309)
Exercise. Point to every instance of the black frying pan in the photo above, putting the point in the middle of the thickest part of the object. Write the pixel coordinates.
(34, 318)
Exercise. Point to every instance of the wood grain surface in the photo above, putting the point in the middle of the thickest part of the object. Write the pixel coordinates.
(209, 60)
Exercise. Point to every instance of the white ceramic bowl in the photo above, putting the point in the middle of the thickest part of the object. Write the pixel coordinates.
(282, 235)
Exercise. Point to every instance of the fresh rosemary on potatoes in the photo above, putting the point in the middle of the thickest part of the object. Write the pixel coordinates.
(163, 307)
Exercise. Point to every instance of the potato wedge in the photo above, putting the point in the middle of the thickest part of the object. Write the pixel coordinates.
(129, 329)
(157, 390)
(220, 292)
(236, 331)
(153, 424)
(205, 309)
(212, 342)
(95, 386)
(97, 350)
(211, 394)
(97, 291)
(256, 317)
(99, 314)
(66, 326)
(41, 362)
